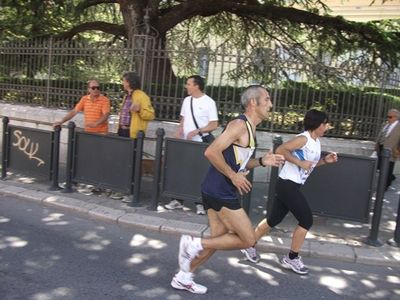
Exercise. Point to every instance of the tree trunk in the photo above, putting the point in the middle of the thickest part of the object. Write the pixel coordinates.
(152, 63)
(132, 13)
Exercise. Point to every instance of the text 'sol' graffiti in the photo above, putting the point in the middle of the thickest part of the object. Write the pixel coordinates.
(28, 147)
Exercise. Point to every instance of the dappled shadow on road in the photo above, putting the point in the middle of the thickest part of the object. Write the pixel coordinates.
(56, 255)
(332, 280)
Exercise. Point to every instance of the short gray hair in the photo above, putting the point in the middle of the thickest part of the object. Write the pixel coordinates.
(251, 92)
(396, 112)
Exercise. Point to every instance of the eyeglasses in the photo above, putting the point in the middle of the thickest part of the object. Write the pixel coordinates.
(390, 117)
(94, 87)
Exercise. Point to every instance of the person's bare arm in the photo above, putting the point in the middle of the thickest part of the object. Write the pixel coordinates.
(328, 159)
(72, 113)
(212, 125)
(269, 159)
(179, 130)
(287, 148)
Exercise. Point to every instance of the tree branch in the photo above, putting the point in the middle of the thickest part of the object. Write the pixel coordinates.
(88, 3)
(118, 30)
(192, 8)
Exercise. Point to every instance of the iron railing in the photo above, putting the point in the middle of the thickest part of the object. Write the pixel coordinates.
(53, 73)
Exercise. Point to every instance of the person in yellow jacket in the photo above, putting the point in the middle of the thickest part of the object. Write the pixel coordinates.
(136, 109)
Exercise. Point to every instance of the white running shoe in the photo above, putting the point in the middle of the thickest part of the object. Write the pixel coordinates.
(200, 209)
(251, 254)
(174, 204)
(295, 264)
(186, 252)
(189, 285)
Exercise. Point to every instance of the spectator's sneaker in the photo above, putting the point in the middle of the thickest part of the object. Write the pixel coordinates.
(295, 264)
(85, 189)
(98, 191)
(251, 254)
(116, 196)
(189, 285)
(174, 204)
(187, 252)
(200, 209)
(127, 199)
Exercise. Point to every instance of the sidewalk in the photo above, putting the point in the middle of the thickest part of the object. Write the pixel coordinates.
(329, 238)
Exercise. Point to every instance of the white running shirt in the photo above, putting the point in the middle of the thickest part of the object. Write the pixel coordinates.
(311, 151)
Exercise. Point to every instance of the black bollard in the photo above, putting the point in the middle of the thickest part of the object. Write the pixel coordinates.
(55, 159)
(395, 242)
(372, 240)
(277, 141)
(4, 158)
(157, 169)
(137, 178)
(70, 158)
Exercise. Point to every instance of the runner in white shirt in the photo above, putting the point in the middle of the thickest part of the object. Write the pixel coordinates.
(302, 154)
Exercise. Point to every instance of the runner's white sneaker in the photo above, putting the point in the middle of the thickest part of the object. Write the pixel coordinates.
(188, 285)
(295, 264)
(173, 204)
(251, 254)
(187, 252)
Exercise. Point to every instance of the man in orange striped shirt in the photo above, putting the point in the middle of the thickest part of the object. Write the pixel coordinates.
(95, 108)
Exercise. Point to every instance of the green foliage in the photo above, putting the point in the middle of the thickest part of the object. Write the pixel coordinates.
(24, 19)
(31, 18)
(329, 55)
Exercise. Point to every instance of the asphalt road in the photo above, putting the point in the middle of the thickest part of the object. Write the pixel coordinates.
(48, 254)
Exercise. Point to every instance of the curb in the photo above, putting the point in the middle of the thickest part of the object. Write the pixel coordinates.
(383, 256)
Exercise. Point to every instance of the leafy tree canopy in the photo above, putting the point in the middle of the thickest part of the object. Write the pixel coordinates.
(299, 26)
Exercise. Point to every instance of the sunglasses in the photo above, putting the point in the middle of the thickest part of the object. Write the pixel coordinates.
(390, 117)
(94, 87)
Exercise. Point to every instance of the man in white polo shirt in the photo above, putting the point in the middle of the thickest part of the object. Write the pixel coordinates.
(204, 114)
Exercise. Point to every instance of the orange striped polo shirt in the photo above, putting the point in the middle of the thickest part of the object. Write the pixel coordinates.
(94, 110)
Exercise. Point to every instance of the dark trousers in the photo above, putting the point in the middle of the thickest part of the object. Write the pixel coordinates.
(390, 176)
(123, 132)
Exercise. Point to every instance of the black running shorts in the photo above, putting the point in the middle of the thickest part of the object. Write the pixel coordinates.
(216, 204)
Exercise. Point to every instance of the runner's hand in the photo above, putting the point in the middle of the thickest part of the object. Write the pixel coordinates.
(273, 160)
(240, 181)
(331, 158)
(306, 165)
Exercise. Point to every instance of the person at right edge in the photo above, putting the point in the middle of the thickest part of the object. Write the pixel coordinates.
(302, 154)
(389, 137)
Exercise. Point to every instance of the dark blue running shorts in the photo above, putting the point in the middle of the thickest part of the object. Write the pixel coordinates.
(216, 204)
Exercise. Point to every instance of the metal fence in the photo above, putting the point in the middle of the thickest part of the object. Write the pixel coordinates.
(53, 73)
